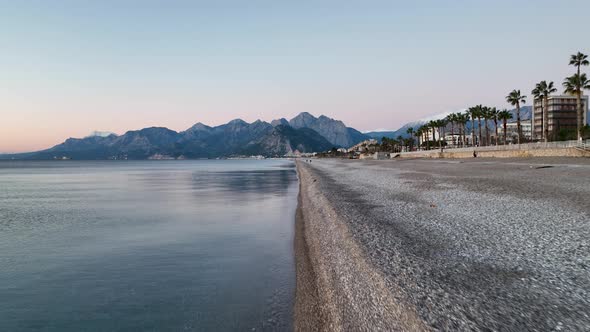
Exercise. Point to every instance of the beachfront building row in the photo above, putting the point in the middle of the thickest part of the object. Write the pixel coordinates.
(561, 115)
(454, 140)
(511, 135)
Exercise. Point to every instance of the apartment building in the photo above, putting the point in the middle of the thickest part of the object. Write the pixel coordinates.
(561, 114)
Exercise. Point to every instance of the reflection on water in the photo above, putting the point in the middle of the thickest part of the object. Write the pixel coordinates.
(191, 245)
(237, 183)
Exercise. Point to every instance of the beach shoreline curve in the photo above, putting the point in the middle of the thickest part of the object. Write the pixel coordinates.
(336, 288)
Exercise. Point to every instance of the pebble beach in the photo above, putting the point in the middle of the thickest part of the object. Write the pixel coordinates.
(419, 245)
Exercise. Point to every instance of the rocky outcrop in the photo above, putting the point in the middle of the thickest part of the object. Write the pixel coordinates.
(333, 130)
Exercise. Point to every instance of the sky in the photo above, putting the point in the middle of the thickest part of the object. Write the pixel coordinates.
(68, 68)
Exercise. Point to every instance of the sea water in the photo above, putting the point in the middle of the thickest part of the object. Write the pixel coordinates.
(147, 245)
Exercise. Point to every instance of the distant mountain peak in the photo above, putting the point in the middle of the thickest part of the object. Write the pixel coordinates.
(439, 116)
(155, 129)
(97, 133)
(200, 125)
(237, 121)
(378, 130)
(303, 116)
(334, 131)
(278, 122)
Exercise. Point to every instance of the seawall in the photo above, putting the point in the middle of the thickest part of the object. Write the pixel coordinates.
(524, 153)
(337, 288)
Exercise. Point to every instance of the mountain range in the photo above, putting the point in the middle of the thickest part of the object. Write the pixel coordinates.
(303, 133)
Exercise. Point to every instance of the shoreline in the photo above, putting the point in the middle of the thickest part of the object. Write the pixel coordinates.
(337, 289)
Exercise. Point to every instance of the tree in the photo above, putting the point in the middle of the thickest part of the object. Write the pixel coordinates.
(442, 126)
(486, 114)
(538, 95)
(410, 132)
(462, 119)
(541, 92)
(432, 124)
(514, 98)
(579, 60)
(424, 130)
(504, 115)
(400, 140)
(494, 113)
(575, 85)
(418, 134)
(452, 118)
(472, 113)
(548, 89)
(479, 112)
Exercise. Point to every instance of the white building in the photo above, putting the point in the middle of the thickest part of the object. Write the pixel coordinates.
(512, 131)
(430, 135)
(453, 140)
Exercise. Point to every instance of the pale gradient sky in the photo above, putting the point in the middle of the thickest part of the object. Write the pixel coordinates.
(70, 67)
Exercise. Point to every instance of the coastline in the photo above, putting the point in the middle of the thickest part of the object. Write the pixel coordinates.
(337, 289)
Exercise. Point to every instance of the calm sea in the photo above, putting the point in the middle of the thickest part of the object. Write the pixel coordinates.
(147, 246)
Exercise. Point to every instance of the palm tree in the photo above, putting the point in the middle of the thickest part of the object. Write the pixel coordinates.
(410, 132)
(418, 134)
(542, 91)
(578, 60)
(479, 113)
(514, 98)
(432, 124)
(472, 114)
(424, 131)
(547, 91)
(451, 119)
(538, 95)
(440, 125)
(504, 115)
(457, 117)
(486, 114)
(400, 140)
(575, 85)
(462, 119)
(494, 113)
